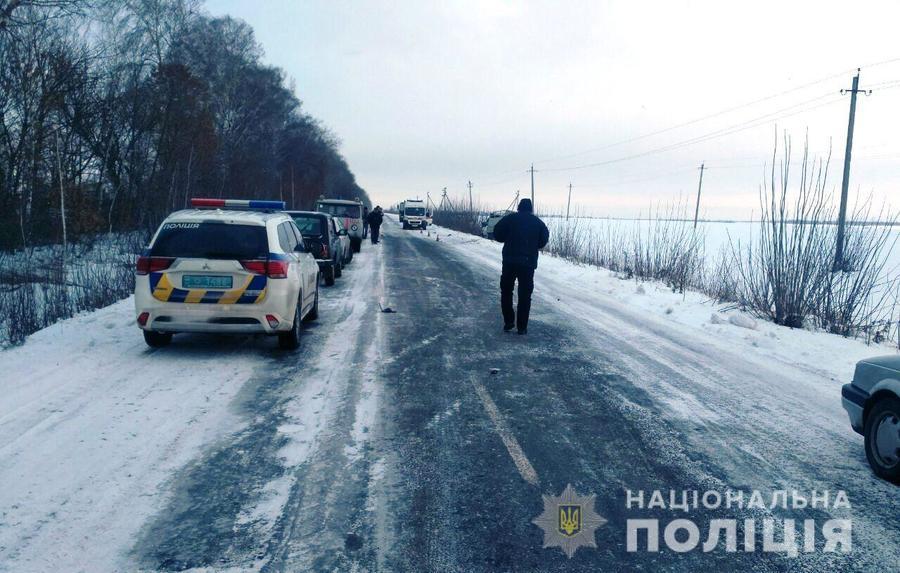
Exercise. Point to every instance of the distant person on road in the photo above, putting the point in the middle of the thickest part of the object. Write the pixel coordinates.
(376, 217)
(522, 235)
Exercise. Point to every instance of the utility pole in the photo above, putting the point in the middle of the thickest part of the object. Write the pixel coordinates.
(532, 185)
(839, 263)
(471, 207)
(569, 204)
(699, 187)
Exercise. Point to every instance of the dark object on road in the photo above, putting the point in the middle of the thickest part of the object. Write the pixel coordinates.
(872, 401)
(376, 217)
(353, 542)
(327, 240)
(387, 310)
(522, 235)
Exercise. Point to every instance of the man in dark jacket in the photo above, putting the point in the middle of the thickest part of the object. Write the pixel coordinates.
(522, 235)
(375, 219)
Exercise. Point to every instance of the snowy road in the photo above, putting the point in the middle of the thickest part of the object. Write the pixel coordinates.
(389, 444)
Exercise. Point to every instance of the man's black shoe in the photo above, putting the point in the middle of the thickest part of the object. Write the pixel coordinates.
(508, 327)
(523, 331)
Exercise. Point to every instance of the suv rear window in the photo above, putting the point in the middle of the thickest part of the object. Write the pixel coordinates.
(339, 210)
(310, 225)
(211, 241)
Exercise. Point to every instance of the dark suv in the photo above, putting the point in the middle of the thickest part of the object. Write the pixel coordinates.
(322, 240)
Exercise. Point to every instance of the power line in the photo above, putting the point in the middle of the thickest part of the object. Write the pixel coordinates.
(519, 175)
(629, 180)
(696, 120)
(736, 128)
(721, 112)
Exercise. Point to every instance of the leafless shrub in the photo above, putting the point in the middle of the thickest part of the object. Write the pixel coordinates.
(858, 300)
(784, 274)
(787, 275)
(37, 291)
(669, 250)
(461, 215)
(20, 313)
(568, 237)
(720, 281)
(664, 247)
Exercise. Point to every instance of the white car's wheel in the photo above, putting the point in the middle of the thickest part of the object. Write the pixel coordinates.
(313, 313)
(290, 340)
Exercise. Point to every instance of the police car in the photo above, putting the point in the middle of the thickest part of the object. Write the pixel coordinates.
(226, 266)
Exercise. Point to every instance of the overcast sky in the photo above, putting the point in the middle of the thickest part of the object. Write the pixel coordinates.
(426, 95)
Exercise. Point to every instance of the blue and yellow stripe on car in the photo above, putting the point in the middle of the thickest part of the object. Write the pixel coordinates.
(251, 292)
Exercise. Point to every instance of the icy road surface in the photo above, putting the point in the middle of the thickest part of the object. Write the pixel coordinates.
(388, 444)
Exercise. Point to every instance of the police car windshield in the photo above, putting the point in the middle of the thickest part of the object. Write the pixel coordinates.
(211, 241)
(310, 225)
(339, 210)
(415, 211)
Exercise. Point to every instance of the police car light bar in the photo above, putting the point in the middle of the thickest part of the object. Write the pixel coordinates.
(237, 204)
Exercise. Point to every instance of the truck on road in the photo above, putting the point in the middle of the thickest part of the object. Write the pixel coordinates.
(413, 214)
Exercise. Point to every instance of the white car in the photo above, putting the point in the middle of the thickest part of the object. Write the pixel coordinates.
(226, 266)
(487, 226)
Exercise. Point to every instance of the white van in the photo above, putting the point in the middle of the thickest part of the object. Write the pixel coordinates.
(414, 214)
(352, 215)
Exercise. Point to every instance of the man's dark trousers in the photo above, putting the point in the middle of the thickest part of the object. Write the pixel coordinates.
(525, 275)
(375, 229)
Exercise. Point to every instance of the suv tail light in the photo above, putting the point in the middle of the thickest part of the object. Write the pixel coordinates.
(255, 267)
(324, 251)
(278, 269)
(273, 268)
(147, 264)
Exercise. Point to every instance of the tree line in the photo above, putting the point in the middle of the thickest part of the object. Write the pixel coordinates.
(113, 113)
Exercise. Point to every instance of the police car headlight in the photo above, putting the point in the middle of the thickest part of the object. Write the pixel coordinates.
(354, 228)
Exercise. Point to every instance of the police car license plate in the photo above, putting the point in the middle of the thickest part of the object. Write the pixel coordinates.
(205, 281)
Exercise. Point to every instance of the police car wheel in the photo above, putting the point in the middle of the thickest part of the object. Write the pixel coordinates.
(313, 313)
(290, 340)
(157, 339)
(882, 434)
